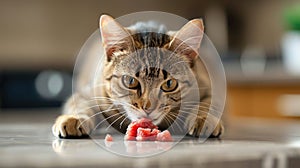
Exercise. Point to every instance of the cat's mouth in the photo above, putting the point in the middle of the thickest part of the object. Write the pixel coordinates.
(148, 117)
(136, 114)
(155, 119)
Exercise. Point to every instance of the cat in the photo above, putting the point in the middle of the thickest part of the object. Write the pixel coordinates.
(136, 81)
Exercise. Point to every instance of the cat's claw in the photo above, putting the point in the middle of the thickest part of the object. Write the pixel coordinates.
(71, 126)
(219, 130)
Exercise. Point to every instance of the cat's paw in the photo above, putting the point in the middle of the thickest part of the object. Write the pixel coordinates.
(218, 131)
(72, 126)
(206, 127)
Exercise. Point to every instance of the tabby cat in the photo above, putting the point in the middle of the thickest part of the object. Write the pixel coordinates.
(144, 75)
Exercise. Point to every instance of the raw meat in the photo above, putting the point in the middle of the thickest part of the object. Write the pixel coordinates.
(164, 136)
(145, 130)
(131, 132)
(146, 134)
(109, 138)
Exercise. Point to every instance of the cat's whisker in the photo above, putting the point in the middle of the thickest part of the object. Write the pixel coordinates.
(105, 120)
(210, 104)
(179, 119)
(118, 102)
(196, 102)
(204, 120)
(128, 105)
(209, 108)
(192, 107)
(199, 112)
(98, 113)
(101, 112)
(200, 105)
(90, 107)
(87, 102)
(185, 112)
(185, 123)
(208, 122)
(123, 121)
(183, 117)
(115, 101)
(212, 113)
(101, 98)
(124, 95)
(195, 114)
(205, 103)
(123, 114)
(169, 122)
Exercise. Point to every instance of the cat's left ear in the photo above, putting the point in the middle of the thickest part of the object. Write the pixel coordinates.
(188, 39)
(115, 37)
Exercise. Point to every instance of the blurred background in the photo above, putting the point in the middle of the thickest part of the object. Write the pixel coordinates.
(258, 40)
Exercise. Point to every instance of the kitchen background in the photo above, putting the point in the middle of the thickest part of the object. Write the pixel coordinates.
(258, 40)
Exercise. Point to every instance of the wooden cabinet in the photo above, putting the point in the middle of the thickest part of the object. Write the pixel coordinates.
(264, 100)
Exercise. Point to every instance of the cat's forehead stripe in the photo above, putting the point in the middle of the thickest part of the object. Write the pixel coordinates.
(151, 39)
(152, 72)
(165, 73)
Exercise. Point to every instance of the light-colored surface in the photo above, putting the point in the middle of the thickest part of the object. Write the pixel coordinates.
(248, 143)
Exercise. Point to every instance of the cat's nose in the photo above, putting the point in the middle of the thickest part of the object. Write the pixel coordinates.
(146, 107)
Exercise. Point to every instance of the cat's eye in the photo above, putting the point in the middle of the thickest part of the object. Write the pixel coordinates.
(170, 85)
(130, 82)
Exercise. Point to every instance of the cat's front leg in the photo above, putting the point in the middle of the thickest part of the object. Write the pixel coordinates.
(72, 126)
(204, 126)
(74, 123)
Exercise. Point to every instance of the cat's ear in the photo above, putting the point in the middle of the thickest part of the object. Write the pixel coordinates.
(115, 37)
(187, 40)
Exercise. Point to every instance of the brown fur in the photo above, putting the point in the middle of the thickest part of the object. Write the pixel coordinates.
(150, 58)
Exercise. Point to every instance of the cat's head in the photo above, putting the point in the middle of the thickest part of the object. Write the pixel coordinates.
(148, 73)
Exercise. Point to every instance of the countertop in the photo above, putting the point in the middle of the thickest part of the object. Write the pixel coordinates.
(26, 141)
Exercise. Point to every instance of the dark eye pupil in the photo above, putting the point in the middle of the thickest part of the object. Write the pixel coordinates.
(169, 83)
(131, 80)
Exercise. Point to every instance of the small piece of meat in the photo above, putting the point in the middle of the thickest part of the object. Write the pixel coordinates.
(108, 138)
(164, 136)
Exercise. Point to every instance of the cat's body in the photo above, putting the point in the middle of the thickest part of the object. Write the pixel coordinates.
(147, 73)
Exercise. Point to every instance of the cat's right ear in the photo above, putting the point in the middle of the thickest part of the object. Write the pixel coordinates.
(187, 40)
(115, 38)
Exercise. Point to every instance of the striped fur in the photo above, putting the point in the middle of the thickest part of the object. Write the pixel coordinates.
(152, 56)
